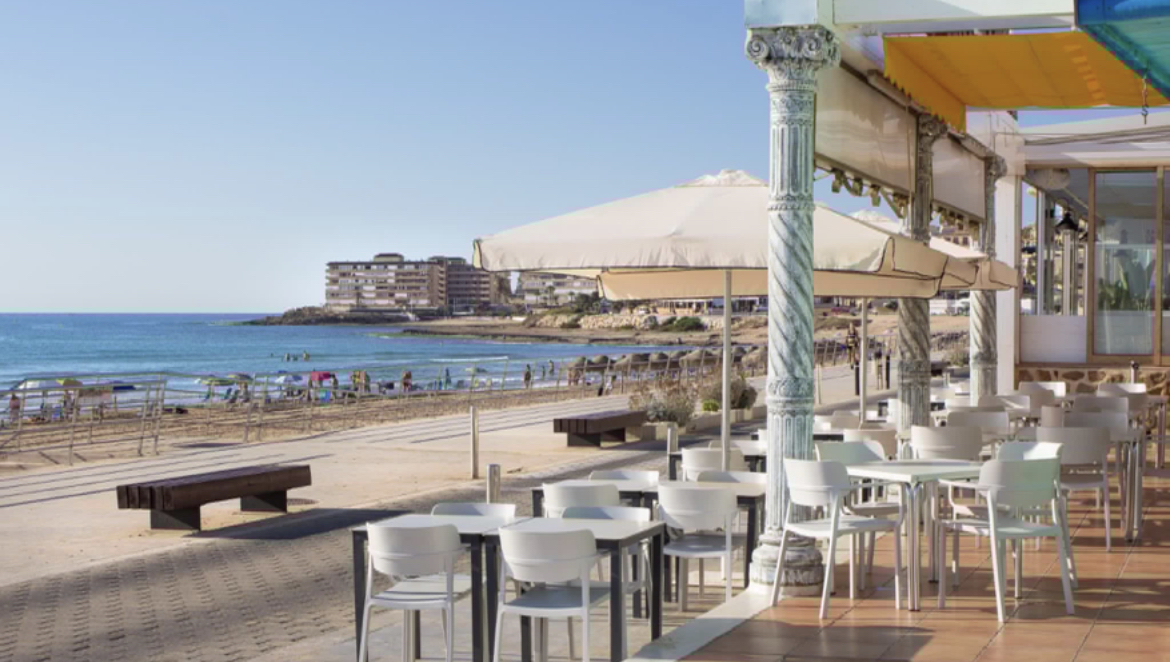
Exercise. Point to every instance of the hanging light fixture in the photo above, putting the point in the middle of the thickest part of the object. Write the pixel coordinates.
(1067, 224)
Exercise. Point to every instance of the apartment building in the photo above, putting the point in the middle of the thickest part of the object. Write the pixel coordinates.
(391, 282)
(541, 290)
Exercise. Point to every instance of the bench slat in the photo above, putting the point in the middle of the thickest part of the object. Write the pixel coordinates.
(199, 489)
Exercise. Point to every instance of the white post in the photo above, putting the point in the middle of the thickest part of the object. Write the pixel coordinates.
(474, 419)
(725, 406)
(863, 367)
(493, 483)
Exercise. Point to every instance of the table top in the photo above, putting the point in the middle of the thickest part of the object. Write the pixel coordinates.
(622, 484)
(741, 490)
(609, 533)
(1118, 436)
(915, 471)
(746, 453)
(467, 525)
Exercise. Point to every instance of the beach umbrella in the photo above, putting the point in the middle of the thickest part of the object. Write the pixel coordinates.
(213, 381)
(35, 384)
(240, 377)
(708, 238)
(289, 379)
(69, 381)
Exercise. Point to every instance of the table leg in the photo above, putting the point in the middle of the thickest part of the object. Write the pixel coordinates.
(525, 639)
(416, 633)
(932, 508)
(493, 592)
(672, 467)
(913, 565)
(537, 502)
(617, 606)
(656, 585)
(477, 601)
(635, 572)
(749, 544)
(359, 585)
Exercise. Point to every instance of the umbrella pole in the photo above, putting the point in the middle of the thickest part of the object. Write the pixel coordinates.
(864, 362)
(725, 406)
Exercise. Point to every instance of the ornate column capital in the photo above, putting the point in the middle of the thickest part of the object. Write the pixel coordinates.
(930, 129)
(793, 55)
(996, 168)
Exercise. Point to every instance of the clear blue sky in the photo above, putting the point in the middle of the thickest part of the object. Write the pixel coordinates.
(212, 156)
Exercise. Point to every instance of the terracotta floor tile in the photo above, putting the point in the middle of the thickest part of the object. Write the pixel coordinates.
(709, 656)
(754, 645)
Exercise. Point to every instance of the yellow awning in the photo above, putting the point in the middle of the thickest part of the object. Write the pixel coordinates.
(1049, 70)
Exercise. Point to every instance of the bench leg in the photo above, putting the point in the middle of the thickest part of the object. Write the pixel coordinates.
(614, 435)
(584, 439)
(183, 519)
(269, 502)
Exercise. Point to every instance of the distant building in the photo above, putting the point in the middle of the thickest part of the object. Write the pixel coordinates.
(541, 290)
(391, 282)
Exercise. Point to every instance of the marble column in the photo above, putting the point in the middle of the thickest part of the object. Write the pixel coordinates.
(791, 56)
(984, 360)
(914, 314)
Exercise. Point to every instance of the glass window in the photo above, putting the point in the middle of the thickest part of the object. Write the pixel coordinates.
(1124, 264)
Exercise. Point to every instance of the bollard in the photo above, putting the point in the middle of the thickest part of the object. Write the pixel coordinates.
(1133, 372)
(493, 483)
(671, 438)
(474, 443)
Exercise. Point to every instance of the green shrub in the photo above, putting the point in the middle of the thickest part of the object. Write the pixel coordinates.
(682, 324)
(710, 405)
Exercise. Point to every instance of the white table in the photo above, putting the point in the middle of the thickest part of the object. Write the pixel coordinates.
(473, 530)
(913, 475)
(615, 537)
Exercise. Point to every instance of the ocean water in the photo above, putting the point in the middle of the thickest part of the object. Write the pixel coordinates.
(52, 345)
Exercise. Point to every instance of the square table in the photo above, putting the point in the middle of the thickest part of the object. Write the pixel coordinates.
(473, 530)
(615, 537)
(747, 495)
(913, 475)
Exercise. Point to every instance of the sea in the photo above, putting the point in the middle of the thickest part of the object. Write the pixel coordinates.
(91, 345)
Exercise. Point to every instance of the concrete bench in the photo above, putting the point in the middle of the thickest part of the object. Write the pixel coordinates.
(174, 502)
(592, 429)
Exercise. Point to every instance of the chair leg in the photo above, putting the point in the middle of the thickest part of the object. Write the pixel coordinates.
(683, 581)
(702, 579)
(830, 559)
(1108, 523)
(499, 637)
(407, 649)
(869, 561)
(1018, 557)
(585, 635)
(779, 568)
(363, 653)
(997, 575)
(897, 569)
(569, 627)
(1065, 578)
(942, 567)
(727, 584)
(955, 557)
(449, 630)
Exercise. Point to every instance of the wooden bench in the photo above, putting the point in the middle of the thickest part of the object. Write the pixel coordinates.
(592, 429)
(174, 502)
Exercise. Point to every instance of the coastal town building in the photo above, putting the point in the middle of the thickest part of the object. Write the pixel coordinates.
(543, 290)
(390, 282)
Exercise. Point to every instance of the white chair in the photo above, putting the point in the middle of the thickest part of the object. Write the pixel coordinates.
(1121, 388)
(750, 446)
(950, 443)
(826, 485)
(1058, 389)
(1052, 416)
(953, 403)
(648, 477)
(504, 510)
(1016, 401)
(698, 460)
(1028, 450)
(888, 439)
(420, 561)
(990, 422)
(1101, 403)
(557, 566)
(1085, 465)
(559, 496)
(1012, 486)
(838, 420)
(751, 477)
(706, 518)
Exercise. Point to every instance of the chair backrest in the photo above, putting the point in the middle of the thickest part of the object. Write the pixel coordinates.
(842, 420)
(750, 446)
(401, 551)
(1111, 420)
(1019, 483)
(822, 422)
(812, 483)
(558, 496)
(652, 477)
(962, 402)
(1058, 389)
(1122, 388)
(1052, 417)
(850, 452)
(1101, 403)
(696, 508)
(988, 421)
(753, 477)
(1015, 400)
(887, 439)
(990, 401)
(505, 510)
(949, 443)
(544, 556)
(698, 460)
(624, 513)
(1028, 450)
(1082, 446)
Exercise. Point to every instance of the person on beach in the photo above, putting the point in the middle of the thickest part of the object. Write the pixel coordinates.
(305, 356)
(13, 409)
(287, 356)
(552, 368)
(527, 376)
(543, 373)
(446, 379)
(407, 378)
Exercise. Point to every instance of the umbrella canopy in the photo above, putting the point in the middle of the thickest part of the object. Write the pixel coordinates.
(216, 381)
(240, 376)
(69, 381)
(678, 242)
(990, 274)
(289, 379)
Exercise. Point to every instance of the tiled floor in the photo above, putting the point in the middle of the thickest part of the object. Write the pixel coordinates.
(1122, 606)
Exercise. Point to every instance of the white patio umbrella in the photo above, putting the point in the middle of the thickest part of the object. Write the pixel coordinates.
(708, 238)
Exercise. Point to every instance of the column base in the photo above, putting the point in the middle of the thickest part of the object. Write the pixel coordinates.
(804, 569)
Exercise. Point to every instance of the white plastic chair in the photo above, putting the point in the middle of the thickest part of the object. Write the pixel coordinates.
(1011, 486)
(504, 510)
(1028, 450)
(1085, 465)
(649, 477)
(826, 485)
(706, 518)
(752, 477)
(989, 422)
(1057, 389)
(962, 402)
(888, 439)
(698, 460)
(420, 561)
(953, 442)
(557, 565)
(1101, 403)
(1052, 416)
(559, 496)
(1121, 388)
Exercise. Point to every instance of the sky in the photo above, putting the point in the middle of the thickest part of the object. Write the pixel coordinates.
(213, 156)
